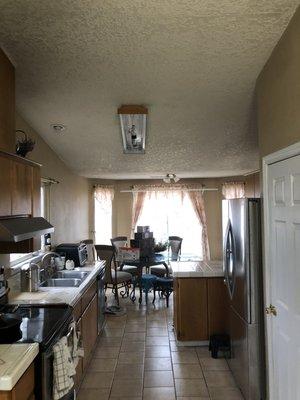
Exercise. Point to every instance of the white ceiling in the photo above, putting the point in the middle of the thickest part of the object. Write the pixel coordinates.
(193, 63)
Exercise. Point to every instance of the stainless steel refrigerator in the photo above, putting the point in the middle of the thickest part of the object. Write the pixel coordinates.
(242, 263)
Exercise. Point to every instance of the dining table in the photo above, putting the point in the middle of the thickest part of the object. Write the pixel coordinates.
(145, 262)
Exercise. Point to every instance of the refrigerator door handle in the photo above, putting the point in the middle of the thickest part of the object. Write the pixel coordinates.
(229, 258)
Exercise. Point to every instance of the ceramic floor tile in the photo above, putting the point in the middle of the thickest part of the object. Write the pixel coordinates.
(93, 394)
(158, 364)
(175, 347)
(187, 371)
(106, 352)
(132, 346)
(159, 393)
(203, 352)
(225, 394)
(97, 380)
(131, 357)
(157, 341)
(191, 387)
(219, 379)
(157, 332)
(158, 378)
(157, 351)
(113, 332)
(212, 364)
(134, 371)
(134, 337)
(102, 364)
(184, 357)
(133, 328)
(129, 388)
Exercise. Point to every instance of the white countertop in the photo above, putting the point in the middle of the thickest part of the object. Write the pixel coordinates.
(57, 295)
(197, 269)
(14, 361)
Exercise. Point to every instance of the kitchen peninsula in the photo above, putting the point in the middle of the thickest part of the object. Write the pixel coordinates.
(201, 304)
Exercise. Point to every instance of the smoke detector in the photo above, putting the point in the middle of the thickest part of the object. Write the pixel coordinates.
(58, 128)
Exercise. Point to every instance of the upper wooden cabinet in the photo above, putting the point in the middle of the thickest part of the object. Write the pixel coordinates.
(7, 104)
(22, 185)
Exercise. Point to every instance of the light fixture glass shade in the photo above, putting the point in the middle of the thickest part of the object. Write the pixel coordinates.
(133, 127)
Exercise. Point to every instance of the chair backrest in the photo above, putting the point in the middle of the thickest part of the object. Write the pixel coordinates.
(175, 246)
(119, 241)
(106, 253)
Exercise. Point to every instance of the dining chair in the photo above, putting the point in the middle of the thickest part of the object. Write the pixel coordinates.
(121, 241)
(174, 244)
(113, 278)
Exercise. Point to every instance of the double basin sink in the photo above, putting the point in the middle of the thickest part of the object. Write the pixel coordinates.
(65, 279)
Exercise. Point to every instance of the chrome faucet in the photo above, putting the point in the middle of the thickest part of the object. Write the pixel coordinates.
(48, 270)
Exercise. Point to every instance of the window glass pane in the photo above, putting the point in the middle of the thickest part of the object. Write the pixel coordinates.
(170, 214)
(103, 222)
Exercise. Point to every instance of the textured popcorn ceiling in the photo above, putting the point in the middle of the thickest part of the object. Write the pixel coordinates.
(193, 63)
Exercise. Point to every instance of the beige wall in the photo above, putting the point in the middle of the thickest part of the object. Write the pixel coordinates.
(69, 199)
(278, 93)
(122, 206)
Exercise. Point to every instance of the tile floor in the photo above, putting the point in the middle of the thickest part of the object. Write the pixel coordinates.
(137, 358)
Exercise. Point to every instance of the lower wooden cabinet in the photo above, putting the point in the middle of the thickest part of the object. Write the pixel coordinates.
(23, 389)
(89, 329)
(201, 308)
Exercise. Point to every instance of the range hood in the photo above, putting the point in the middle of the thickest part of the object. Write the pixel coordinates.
(22, 228)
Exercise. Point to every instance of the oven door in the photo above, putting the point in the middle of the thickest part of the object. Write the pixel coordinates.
(47, 358)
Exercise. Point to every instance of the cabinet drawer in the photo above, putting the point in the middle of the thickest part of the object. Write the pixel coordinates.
(88, 295)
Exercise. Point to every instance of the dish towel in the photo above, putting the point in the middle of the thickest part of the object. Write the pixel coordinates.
(63, 369)
(77, 349)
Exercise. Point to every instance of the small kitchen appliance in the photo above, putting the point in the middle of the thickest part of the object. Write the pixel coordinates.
(74, 251)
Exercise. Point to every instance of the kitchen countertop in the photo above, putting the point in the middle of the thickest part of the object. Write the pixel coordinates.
(14, 361)
(197, 269)
(57, 295)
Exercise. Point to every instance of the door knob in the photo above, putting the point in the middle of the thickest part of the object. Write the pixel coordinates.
(271, 310)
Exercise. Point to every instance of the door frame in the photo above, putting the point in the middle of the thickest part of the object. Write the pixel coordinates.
(267, 161)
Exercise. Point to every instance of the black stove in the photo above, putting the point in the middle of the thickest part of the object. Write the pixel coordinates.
(39, 324)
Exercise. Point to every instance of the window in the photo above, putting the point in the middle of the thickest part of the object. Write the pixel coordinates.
(171, 213)
(103, 197)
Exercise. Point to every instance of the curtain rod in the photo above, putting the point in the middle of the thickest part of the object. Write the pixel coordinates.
(181, 190)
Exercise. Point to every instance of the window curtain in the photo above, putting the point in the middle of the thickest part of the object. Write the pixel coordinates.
(233, 190)
(137, 206)
(197, 201)
(104, 195)
(196, 197)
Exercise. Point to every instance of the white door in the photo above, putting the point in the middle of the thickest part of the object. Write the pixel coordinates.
(283, 275)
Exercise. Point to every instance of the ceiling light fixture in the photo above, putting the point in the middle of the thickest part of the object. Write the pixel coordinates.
(171, 178)
(58, 128)
(133, 128)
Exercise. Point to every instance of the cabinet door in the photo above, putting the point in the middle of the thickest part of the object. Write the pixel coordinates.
(5, 186)
(89, 329)
(192, 318)
(21, 189)
(218, 306)
(79, 368)
(36, 202)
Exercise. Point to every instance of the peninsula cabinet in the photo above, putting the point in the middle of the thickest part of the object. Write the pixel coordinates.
(201, 308)
(24, 388)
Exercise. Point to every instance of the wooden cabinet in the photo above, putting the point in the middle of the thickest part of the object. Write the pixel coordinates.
(7, 104)
(201, 308)
(20, 185)
(23, 389)
(21, 193)
(5, 186)
(89, 329)
(85, 313)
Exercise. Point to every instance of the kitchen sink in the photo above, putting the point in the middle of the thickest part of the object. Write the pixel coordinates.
(71, 274)
(61, 282)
